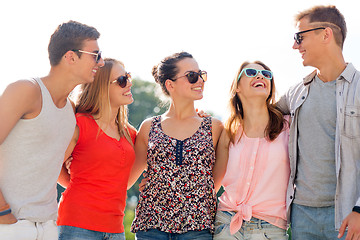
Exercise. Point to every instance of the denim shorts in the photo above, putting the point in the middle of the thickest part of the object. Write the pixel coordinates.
(27, 230)
(159, 235)
(255, 229)
(313, 223)
(75, 233)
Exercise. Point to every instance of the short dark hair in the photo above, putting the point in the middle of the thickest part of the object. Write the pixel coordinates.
(68, 36)
(167, 69)
(328, 16)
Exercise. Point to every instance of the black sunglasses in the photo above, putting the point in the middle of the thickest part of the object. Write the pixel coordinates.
(122, 80)
(193, 77)
(298, 38)
(97, 55)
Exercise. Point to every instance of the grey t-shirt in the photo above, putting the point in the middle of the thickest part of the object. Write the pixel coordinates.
(316, 175)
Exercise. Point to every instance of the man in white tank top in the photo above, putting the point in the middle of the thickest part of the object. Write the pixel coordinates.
(37, 124)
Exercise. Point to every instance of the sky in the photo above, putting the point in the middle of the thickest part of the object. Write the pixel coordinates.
(219, 34)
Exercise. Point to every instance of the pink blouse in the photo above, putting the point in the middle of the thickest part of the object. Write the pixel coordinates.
(256, 180)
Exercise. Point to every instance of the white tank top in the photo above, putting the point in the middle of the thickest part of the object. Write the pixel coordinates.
(31, 158)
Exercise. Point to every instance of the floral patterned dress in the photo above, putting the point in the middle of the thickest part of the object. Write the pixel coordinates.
(179, 195)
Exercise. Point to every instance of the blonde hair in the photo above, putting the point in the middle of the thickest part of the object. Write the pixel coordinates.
(94, 98)
(276, 119)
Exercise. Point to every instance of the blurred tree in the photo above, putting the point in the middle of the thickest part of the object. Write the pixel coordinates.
(147, 102)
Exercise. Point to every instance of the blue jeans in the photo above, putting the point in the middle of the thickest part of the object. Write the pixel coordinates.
(159, 235)
(75, 233)
(255, 229)
(313, 223)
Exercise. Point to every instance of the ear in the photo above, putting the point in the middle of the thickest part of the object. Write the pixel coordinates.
(328, 35)
(237, 88)
(70, 57)
(169, 84)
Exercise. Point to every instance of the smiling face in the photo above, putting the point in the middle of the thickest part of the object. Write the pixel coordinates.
(253, 87)
(181, 86)
(86, 66)
(119, 96)
(311, 47)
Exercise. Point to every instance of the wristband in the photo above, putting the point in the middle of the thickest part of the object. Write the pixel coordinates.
(5, 212)
(356, 209)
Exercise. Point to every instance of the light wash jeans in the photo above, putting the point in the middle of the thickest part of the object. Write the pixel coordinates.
(75, 233)
(154, 234)
(313, 223)
(27, 230)
(255, 229)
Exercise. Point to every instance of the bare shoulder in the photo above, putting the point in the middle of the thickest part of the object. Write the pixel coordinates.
(24, 95)
(217, 128)
(144, 129)
(217, 124)
(145, 126)
(24, 88)
(20, 100)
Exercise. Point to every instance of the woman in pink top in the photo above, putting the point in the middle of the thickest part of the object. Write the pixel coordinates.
(256, 177)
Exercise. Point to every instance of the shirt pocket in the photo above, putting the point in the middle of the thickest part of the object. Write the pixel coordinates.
(352, 122)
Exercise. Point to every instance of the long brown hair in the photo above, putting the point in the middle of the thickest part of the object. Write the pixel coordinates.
(276, 119)
(94, 98)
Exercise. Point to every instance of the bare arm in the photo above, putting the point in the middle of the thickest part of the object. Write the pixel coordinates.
(141, 145)
(64, 177)
(221, 152)
(217, 128)
(222, 155)
(20, 100)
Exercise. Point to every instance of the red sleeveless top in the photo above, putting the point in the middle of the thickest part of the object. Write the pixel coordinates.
(96, 196)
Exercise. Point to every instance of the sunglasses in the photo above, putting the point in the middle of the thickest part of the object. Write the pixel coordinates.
(193, 77)
(299, 38)
(122, 80)
(97, 55)
(251, 72)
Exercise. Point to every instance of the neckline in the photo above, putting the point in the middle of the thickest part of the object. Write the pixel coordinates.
(185, 139)
(243, 134)
(246, 136)
(320, 82)
(44, 88)
(102, 131)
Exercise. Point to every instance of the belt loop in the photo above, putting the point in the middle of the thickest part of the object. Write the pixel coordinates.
(259, 223)
(40, 230)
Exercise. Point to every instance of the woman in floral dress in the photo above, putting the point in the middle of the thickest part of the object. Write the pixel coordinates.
(178, 149)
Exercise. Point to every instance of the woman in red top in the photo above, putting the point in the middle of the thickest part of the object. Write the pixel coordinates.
(92, 206)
